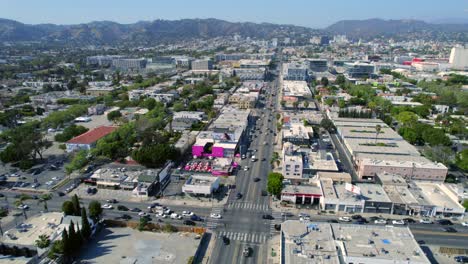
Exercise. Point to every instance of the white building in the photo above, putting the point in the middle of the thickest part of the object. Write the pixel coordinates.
(459, 57)
(201, 185)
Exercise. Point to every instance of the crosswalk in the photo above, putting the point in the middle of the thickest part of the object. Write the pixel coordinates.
(278, 219)
(257, 238)
(248, 206)
(212, 223)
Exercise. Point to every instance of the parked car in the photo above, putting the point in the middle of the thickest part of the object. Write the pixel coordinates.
(142, 214)
(398, 222)
(425, 221)
(444, 222)
(267, 217)
(122, 208)
(107, 206)
(344, 219)
(450, 230)
(189, 222)
(112, 201)
(461, 259)
(332, 221)
(23, 206)
(176, 216)
(355, 217)
(409, 220)
(215, 216)
(195, 218)
(380, 221)
(464, 223)
(136, 209)
(126, 217)
(187, 213)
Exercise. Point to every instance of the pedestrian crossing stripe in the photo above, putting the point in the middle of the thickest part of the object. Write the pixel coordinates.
(245, 237)
(249, 206)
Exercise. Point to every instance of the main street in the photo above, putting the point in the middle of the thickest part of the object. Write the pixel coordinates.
(243, 222)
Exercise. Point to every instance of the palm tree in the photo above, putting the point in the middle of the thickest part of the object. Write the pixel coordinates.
(378, 128)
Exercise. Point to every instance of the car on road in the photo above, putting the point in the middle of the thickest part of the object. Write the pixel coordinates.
(215, 216)
(153, 205)
(450, 230)
(380, 221)
(246, 168)
(122, 208)
(113, 201)
(161, 215)
(398, 222)
(256, 179)
(23, 206)
(176, 216)
(195, 218)
(246, 251)
(444, 222)
(226, 240)
(264, 193)
(409, 220)
(461, 259)
(464, 223)
(239, 196)
(287, 214)
(355, 217)
(61, 194)
(189, 222)
(35, 185)
(107, 206)
(136, 209)
(243, 156)
(304, 218)
(267, 217)
(332, 221)
(187, 213)
(167, 211)
(142, 214)
(344, 219)
(425, 221)
(126, 217)
(277, 227)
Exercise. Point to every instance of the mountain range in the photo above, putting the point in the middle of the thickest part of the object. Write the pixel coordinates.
(161, 31)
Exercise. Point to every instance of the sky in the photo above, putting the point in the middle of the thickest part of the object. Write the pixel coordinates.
(310, 13)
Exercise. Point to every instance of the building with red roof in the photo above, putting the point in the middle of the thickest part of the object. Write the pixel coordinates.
(88, 139)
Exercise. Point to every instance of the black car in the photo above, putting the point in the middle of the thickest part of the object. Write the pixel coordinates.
(189, 222)
(122, 208)
(461, 259)
(278, 227)
(111, 201)
(226, 240)
(450, 230)
(2, 195)
(409, 220)
(239, 195)
(196, 218)
(355, 217)
(332, 221)
(264, 193)
(137, 210)
(126, 217)
(61, 194)
(268, 217)
(256, 179)
(444, 222)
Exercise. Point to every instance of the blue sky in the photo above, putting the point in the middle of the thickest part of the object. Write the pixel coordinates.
(312, 13)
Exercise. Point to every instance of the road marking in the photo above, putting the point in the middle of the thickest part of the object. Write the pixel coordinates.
(440, 233)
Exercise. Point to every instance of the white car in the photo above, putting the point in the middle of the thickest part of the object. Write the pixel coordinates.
(246, 168)
(187, 213)
(344, 219)
(23, 207)
(49, 183)
(216, 216)
(398, 222)
(161, 215)
(107, 206)
(464, 223)
(142, 214)
(425, 221)
(14, 175)
(167, 211)
(176, 216)
(380, 221)
(304, 218)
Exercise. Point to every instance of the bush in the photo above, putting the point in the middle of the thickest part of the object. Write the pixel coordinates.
(169, 228)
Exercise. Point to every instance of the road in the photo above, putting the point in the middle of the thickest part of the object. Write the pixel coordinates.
(243, 223)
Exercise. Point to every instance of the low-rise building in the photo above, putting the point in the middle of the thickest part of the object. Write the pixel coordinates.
(302, 194)
(304, 242)
(201, 185)
(88, 139)
(297, 89)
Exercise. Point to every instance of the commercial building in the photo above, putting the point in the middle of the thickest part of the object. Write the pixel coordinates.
(129, 65)
(292, 162)
(318, 65)
(248, 74)
(297, 89)
(306, 242)
(202, 65)
(102, 60)
(359, 69)
(100, 90)
(156, 93)
(201, 185)
(386, 151)
(295, 71)
(459, 57)
(302, 194)
(224, 136)
(253, 64)
(296, 133)
(88, 139)
(244, 100)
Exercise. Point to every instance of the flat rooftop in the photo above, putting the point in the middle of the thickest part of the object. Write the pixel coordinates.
(302, 189)
(359, 132)
(439, 195)
(400, 194)
(296, 88)
(395, 147)
(201, 180)
(323, 243)
(402, 163)
(373, 192)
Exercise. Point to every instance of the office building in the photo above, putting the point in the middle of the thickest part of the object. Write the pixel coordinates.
(102, 60)
(129, 65)
(201, 185)
(359, 69)
(295, 71)
(296, 89)
(459, 57)
(250, 74)
(318, 65)
(202, 65)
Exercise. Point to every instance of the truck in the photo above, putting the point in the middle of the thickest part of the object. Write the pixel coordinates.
(253, 159)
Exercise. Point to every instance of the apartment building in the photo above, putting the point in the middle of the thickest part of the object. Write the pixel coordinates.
(202, 65)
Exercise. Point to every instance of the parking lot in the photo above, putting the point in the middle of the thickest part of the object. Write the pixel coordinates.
(126, 245)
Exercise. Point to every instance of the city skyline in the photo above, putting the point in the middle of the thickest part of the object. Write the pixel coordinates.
(310, 14)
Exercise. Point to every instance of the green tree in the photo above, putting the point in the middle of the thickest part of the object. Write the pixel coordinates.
(435, 137)
(340, 79)
(42, 241)
(155, 155)
(85, 225)
(76, 205)
(66, 244)
(80, 159)
(327, 124)
(70, 132)
(407, 118)
(329, 101)
(439, 153)
(143, 223)
(114, 115)
(275, 183)
(95, 210)
(324, 81)
(341, 103)
(461, 160)
(67, 208)
(378, 129)
(306, 104)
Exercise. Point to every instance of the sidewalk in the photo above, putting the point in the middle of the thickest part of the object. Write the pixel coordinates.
(209, 250)
(274, 245)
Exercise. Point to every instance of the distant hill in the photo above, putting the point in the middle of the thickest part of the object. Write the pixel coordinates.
(379, 27)
(105, 32)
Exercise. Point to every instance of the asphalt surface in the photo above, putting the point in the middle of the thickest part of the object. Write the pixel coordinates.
(242, 220)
